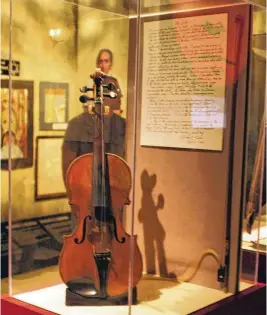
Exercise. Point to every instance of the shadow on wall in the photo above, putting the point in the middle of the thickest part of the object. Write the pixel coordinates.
(154, 233)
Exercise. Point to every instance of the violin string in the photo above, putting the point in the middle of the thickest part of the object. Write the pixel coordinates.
(103, 121)
(98, 119)
(103, 166)
(100, 134)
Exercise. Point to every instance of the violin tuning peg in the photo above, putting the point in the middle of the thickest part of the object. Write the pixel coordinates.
(110, 86)
(110, 95)
(85, 99)
(85, 89)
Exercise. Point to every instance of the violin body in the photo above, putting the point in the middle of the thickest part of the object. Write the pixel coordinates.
(78, 258)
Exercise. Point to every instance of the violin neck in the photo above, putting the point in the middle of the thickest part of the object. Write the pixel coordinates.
(100, 187)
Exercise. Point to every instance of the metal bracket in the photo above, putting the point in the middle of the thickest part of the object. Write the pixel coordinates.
(221, 274)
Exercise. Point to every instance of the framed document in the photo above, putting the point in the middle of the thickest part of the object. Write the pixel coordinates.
(184, 82)
(49, 182)
(54, 105)
(21, 132)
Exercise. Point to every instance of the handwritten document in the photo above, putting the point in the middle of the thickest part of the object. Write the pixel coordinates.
(183, 85)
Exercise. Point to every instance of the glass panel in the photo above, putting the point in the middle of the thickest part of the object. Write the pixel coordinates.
(5, 176)
(44, 41)
(160, 7)
(254, 227)
(182, 188)
(56, 45)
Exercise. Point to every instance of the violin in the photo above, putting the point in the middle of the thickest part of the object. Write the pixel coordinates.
(95, 257)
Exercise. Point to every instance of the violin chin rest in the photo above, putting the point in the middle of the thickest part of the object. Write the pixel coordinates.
(83, 286)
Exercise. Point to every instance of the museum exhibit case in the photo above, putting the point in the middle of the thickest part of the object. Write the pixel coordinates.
(132, 154)
(254, 226)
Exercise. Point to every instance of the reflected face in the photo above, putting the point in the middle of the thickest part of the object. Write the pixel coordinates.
(104, 62)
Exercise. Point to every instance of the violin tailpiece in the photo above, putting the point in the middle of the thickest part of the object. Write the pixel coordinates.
(102, 261)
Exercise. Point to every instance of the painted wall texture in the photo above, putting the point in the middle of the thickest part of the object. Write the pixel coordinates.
(70, 59)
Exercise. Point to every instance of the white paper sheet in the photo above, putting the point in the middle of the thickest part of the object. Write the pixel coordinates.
(183, 82)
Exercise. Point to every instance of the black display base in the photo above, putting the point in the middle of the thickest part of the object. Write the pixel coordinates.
(74, 299)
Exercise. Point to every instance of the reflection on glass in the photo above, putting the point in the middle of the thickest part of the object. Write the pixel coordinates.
(254, 237)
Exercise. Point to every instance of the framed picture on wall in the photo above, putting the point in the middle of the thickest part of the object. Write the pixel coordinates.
(54, 105)
(49, 182)
(21, 130)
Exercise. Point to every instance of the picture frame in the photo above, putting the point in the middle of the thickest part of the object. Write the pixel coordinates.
(49, 182)
(54, 105)
(21, 124)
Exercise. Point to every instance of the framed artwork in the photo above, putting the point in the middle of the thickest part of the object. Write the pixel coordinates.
(54, 105)
(49, 182)
(21, 124)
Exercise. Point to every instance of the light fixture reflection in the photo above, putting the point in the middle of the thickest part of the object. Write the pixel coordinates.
(54, 32)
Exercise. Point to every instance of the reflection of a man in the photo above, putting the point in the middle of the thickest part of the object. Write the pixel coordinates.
(104, 61)
(78, 138)
(79, 135)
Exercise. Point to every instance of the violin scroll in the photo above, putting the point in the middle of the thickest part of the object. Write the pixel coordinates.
(98, 87)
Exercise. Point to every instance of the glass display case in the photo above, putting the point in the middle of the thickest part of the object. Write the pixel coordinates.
(132, 153)
(254, 225)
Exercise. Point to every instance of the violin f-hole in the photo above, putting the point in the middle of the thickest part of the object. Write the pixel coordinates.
(115, 232)
(76, 241)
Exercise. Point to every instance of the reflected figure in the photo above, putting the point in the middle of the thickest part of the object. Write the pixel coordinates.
(104, 61)
(78, 138)
(154, 233)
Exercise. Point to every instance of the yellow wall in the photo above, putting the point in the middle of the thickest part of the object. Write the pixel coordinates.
(43, 59)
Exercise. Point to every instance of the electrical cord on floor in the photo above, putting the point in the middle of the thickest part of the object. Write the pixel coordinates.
(189, 273)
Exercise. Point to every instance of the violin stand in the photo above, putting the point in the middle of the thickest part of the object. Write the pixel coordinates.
(74, 299)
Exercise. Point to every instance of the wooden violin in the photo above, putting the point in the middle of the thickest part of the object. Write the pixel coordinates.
(95, 258)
